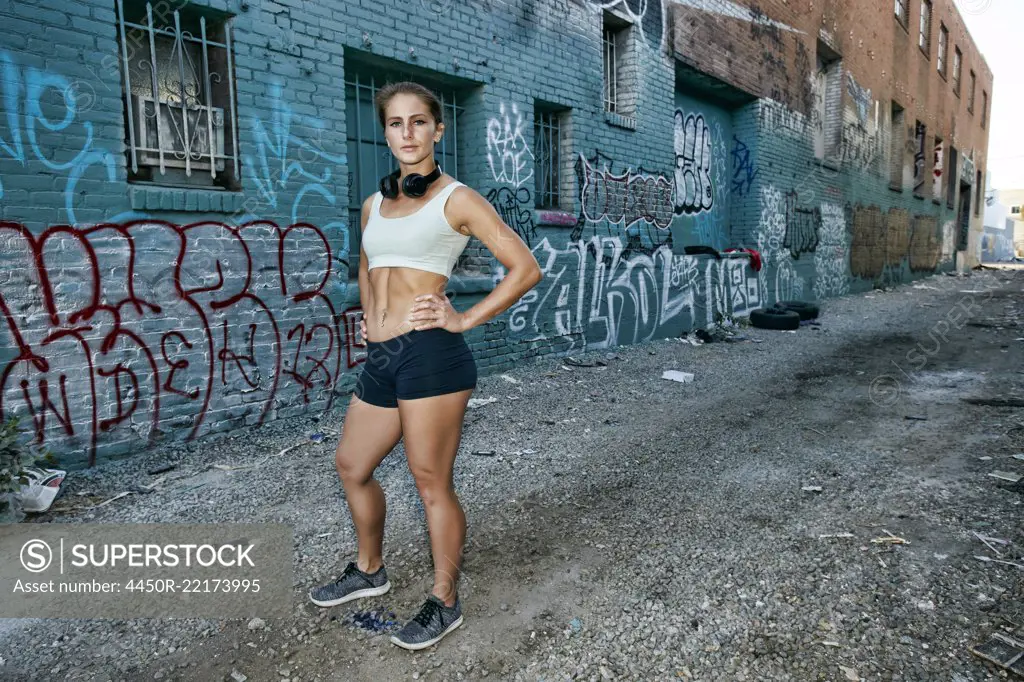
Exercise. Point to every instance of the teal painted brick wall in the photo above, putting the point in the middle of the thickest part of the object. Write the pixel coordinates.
(135, 314)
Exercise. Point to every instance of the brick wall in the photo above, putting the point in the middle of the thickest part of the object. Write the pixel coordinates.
(135, 313)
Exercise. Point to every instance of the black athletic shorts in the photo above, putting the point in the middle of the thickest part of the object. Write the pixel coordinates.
(419, 364)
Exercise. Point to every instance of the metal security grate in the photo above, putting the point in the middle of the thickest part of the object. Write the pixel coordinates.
(547, 142)
(611, 72)
(179, 96)
(368, 153)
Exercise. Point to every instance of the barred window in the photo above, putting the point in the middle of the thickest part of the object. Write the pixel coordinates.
(924, 39)
(940, 62)
(957, 59)
(970, 92)
(547, 140)
(611, 70)
(902, 11)
(179, 95)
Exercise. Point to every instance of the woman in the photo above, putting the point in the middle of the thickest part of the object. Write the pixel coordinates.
(419, 372)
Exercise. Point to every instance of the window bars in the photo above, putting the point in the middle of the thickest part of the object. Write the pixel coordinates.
(177, 88)
(611, 69)
(901, 11)
(547, 140)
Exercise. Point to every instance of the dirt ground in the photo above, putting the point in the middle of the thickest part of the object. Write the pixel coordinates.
(807, 509)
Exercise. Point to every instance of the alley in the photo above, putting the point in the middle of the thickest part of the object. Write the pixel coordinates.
(808, 508)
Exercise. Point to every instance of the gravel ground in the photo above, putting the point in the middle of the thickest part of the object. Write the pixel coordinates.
(631, 527)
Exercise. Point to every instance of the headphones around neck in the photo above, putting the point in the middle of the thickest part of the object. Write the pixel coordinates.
(414, 184)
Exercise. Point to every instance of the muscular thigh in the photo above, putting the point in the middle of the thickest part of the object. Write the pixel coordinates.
(433, 428)
(368, 435)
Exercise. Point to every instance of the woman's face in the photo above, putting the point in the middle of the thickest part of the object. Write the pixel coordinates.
(409, 129)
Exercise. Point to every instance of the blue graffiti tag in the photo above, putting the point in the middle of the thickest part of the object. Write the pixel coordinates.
(36, 85)
(743, 170)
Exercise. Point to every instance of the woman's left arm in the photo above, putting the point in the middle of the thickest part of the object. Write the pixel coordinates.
(467, 208)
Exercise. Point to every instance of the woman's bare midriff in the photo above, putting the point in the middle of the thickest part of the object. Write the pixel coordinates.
(391, 296)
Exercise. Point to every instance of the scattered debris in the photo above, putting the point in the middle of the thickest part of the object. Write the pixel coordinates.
(990, 560)
(474, 403)
(851, 673)
(1019, 456)
(42, 488)
(1006, 652)
(675, 375)
(826, 536)
(829, 642)
(237, 676)
(811, 428)
(484, 453)
(811, 488)
(1006, 476)
(374, 621)
(549, 422)
(161, 469)
(257, 624)
(988, 541)
(573, 362)
(995, 402)
(890, 539)
(316, 437)
(509, 378)
(915, 418)
(325, 535)
(104, 503)
(576, 624)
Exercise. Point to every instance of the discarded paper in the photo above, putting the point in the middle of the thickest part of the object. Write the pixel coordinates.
(675, 375)
(1006, 476)
(480, 402)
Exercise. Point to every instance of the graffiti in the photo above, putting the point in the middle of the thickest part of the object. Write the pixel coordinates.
(861, 99)
(355, 345)
(832, 254)
(802, 227)
(283, 160)
(775, 255)
(39, 107)
(600, 293)
(120, 332)
(776, 117)
(515, 208)
(732, 289)
(508, 154)
(743, 170)
(919, 131)
(924, 244)
(937, 168)
(556, 218)
(860, 148)
(625, 198)
(647, 15)
(693, 190)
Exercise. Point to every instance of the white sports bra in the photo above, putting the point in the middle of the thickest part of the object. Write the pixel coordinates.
(423, 240)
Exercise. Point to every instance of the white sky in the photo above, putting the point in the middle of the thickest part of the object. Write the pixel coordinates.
(997, 27)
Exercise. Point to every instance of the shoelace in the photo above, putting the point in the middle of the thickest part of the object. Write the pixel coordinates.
(427, 613)
(350, 570)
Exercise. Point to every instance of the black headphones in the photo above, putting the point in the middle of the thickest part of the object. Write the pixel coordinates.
(414, 184)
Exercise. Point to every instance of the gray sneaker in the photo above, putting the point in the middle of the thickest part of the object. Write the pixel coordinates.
(429, 626)
(353, 584)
